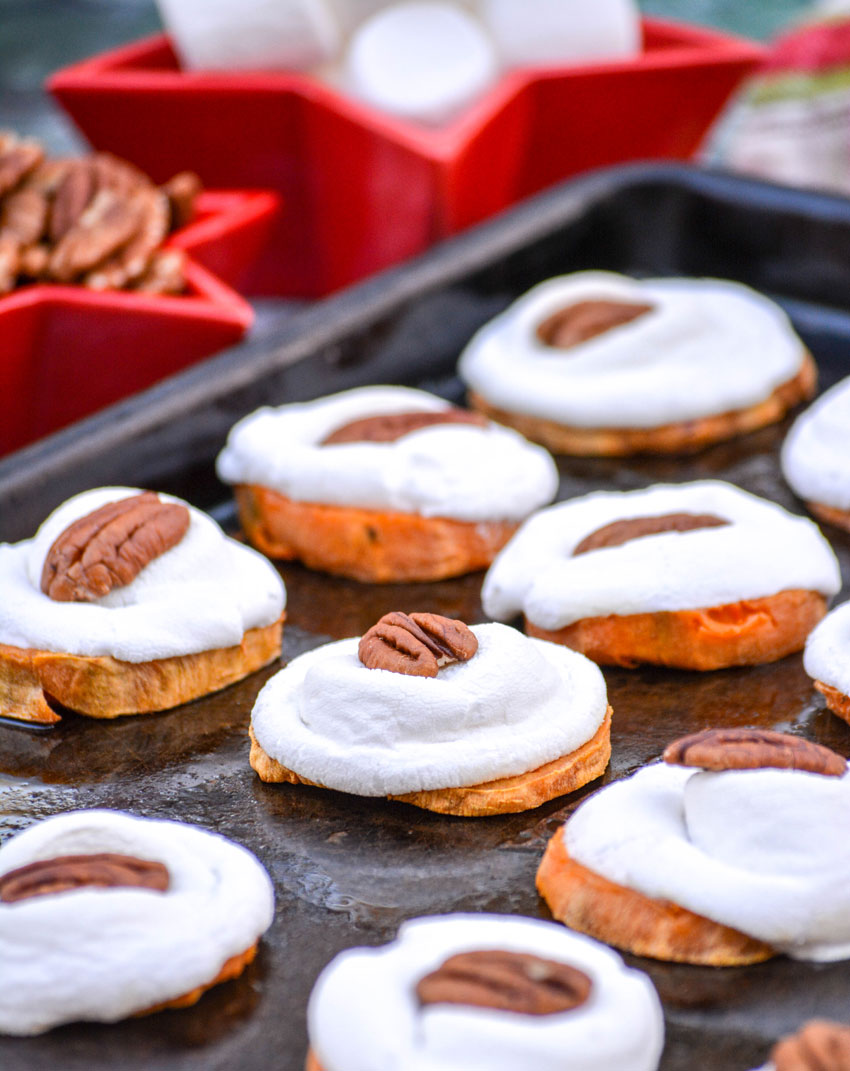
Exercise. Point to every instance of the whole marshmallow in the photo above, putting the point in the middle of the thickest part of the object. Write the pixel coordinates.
(707, 346)
(253, 34)
(827, 654)
(502, 477)
(364, 1014)
(351, 13)
(761, 551)
(102, 954)
(204, 593)
(752, 849)
(423, 60)
(536, 32)
(816, 453)
(516, 705)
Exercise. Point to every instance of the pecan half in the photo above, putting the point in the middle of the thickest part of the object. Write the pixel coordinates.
(34, 260)
(619, 532)
(108, 223)
(131, 261)
(114, 173)
(10, 262)
(753, 749)
(23, 214)
(391, 426)
(166, 273)
(18, 157)
(509, 981)
(108, 548)
(182, 192)
(819, 1046)
(104, 871)
(587, 319)
(74, 192)
(416, 644)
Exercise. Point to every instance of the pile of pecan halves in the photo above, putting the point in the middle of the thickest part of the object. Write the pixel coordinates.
(97, 221)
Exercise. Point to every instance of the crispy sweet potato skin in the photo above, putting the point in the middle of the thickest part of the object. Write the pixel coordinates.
(104, 687)
(837, 702)
(685, 437)
(747, 633)
(632, 922)
(829, 515)
(507, 795)
(374, 546)
(231, 968)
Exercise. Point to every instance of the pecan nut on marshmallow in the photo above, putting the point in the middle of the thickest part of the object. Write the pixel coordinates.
(383, 483)
(127, 602)
(483, 993)
(699, 575)
(423, 709)
(726, 853)
(600, 364)
(104, 915)
(827, 659)
(820, 1045)
(816, 456)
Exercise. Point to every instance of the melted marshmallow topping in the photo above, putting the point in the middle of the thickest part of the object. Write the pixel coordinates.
(203, 593)
(816, 453)
(464, 472)
(103, 954)
(752, 849)
(827, 654)
(364, 1016)
(706, 347)
(517, 704)
(761, 551)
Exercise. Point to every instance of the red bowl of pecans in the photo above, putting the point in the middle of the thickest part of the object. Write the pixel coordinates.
(363, 189)
(103, 283)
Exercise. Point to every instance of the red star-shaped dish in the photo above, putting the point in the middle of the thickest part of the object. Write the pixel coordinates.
(66, 351)
(364, 190)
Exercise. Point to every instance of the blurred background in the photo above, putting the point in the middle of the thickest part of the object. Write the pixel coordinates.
(39, 36)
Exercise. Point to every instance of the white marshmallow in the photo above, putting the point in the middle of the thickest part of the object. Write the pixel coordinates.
(364, 1015)
(252, 34)
(351, 13)
(422, 59)
(516, 704)
(537, 32)
(104, 954)
(752, 849)
(501, 477)
(762, 551)
(707, 347)
(827, 654)
(816, 453)
(204, 593)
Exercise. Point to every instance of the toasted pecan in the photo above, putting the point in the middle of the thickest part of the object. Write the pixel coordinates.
(619, 532)
(104, 870)
(508, 981)
(18, 158)
(820, 1046)
(109, 547)
(416, 644)
(587, 319)
(753, 749)
(388, 427)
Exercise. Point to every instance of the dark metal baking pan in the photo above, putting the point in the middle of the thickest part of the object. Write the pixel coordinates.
(347, 871)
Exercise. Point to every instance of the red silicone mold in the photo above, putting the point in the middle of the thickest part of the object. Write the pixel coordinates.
(66, 351)
(364, 190)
